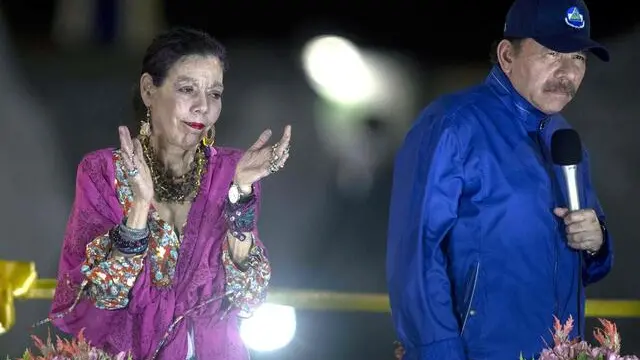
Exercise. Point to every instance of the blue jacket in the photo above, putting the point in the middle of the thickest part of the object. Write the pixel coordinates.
(477, 263)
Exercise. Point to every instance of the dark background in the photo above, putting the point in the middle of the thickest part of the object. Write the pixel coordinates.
(432, 31)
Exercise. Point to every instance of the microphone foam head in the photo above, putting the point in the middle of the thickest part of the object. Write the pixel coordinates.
(566, 147)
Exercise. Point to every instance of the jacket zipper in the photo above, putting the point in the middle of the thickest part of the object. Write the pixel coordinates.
(546, 164)
(469, 311)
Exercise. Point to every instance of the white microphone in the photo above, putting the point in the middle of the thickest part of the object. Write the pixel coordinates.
(566, 152)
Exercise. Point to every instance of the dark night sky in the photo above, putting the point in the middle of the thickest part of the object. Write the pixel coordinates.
(433, 31)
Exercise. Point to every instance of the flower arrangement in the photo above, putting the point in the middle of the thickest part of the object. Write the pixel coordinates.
(76, 349)
(573, 349)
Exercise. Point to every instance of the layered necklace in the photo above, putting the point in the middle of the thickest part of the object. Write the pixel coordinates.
(174, 189)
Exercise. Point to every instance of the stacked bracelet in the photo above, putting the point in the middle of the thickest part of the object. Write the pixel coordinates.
(241, 217)
(129, 241)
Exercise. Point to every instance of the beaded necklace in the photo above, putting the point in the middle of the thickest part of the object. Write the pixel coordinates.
(174, 189)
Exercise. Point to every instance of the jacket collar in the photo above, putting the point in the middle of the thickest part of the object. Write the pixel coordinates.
(524, 111)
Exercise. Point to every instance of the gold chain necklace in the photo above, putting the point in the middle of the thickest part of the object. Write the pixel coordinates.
(174, 189)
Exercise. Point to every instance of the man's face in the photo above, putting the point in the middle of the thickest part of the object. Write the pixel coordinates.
(547, 78)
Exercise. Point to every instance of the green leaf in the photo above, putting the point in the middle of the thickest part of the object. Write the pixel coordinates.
(582, 356)
(523, 358)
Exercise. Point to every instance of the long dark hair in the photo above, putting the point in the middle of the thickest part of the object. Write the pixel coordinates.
(167, 49)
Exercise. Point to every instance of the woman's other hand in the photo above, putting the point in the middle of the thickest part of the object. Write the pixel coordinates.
(137, 171)
(262, 160)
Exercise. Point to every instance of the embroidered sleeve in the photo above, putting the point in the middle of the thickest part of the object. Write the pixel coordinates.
(109, 278)
(247, 287)
(95, 211)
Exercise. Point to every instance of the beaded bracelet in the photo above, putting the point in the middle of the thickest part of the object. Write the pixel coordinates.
(129, 241)
(241, 217)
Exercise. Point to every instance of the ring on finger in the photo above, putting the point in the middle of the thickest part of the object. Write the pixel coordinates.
(279, 164)
(273, 163)
(282, 163)
(274, 149)
(132, 158)
(273, 168)
(133, 172)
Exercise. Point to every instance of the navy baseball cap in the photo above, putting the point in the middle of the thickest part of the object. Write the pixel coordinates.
(560, 25)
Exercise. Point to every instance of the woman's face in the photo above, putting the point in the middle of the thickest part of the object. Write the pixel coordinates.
(188, 103)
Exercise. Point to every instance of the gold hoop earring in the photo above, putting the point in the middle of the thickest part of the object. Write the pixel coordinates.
(145, 125)
(210, 138)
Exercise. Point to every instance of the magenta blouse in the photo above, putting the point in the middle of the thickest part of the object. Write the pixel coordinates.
(184, 288)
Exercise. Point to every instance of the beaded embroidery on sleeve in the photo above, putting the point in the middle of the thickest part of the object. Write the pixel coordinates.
(246, 288)
(109, 278)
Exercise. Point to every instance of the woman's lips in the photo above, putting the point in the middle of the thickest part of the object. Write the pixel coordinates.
(195, 125)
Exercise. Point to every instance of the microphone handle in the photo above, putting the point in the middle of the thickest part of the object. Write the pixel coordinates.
(570, 173)
(571, 179)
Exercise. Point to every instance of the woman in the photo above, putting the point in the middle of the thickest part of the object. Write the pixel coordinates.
(161, 253)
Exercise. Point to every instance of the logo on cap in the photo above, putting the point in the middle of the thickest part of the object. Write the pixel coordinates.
(574, 18)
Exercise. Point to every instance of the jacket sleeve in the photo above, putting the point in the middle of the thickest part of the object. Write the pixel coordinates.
(427, 184)
(597, 266)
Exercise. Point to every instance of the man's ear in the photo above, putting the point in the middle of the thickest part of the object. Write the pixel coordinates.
(506, 53)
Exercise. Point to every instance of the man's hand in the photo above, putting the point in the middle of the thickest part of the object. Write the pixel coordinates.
(583, 229)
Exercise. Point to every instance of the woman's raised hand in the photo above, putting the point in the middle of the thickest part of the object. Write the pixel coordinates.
(261, 159)
(137, 171)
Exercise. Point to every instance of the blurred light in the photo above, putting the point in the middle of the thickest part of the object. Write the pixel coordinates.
(271, 327)
(337, 71)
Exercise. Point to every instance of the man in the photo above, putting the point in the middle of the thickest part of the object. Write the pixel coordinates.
(482, 252)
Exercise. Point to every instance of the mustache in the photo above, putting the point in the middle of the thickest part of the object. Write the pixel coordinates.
(564, 87)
